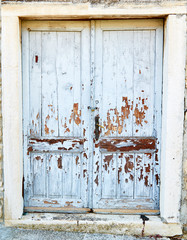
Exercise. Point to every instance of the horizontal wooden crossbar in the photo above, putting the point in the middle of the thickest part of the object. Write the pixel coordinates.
(127, 144)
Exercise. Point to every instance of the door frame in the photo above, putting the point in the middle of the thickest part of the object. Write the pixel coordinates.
(93, 28)
(173, 102)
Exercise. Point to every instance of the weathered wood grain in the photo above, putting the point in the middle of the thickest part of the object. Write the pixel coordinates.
(65, 167)
(57, 144)
(35, 83)
(127, 144)
(49, 85)
(56, 124)
(127, 93)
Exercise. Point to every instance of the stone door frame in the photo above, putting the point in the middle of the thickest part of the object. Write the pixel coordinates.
(172, 103)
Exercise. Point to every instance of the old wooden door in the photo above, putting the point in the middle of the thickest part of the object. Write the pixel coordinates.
(92, 114)
(56, 121)
(128, 64)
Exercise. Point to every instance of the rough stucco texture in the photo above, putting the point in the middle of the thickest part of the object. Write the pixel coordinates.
(104, 2)
(1, 159)
(184, 186)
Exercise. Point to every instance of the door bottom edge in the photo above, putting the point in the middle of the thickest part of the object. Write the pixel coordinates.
(56, 210)
(127, 211)
(90, 210)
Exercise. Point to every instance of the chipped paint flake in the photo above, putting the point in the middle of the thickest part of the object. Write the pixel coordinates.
(129, 165)
(59, 162)
(97, 180)
(76, 114)
(117, 123)
(132, 144)
(107, 161)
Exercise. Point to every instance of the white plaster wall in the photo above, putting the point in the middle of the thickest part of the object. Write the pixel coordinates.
(1, 156)
(172, 116)
(184, 186)
(12, 117)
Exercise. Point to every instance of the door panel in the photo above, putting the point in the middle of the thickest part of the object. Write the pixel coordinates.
(127, 92)
(127, 83)
(56, 121)
(75, 72)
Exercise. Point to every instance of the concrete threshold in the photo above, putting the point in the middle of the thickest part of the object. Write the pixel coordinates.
(97, 223)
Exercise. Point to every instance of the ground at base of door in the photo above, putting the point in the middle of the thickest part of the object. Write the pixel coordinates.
(10, 233)
(131, 225)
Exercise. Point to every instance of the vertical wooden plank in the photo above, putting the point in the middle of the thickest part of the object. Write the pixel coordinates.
(67, 175)
(86, 156)
(139, 183)
(108, 176)
(96, 101)
(97, 177)
(125, 175)
(117, 83)
(124, 80)
(65, 82)
(148, 174)
(76, 179)
(151, 112)
(109, 83)
(144, 167)
(156, 177)
(38, 166)
(49, 85)
(87, 134)
(54, 175)
(144, 49)
(97, 70)
(116, 112)
(35, 83)
(158, 113)
(26, 116)
(77, 107)
(68, 71)
(71, 168)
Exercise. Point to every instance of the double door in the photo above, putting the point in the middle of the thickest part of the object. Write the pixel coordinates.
(92, 114)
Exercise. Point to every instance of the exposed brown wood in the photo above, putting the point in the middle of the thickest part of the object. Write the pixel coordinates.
(54, 210)
(52, 141)
(126, 211)
(55, 144)
(128, 144)
(87, 210)
(88, 17)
